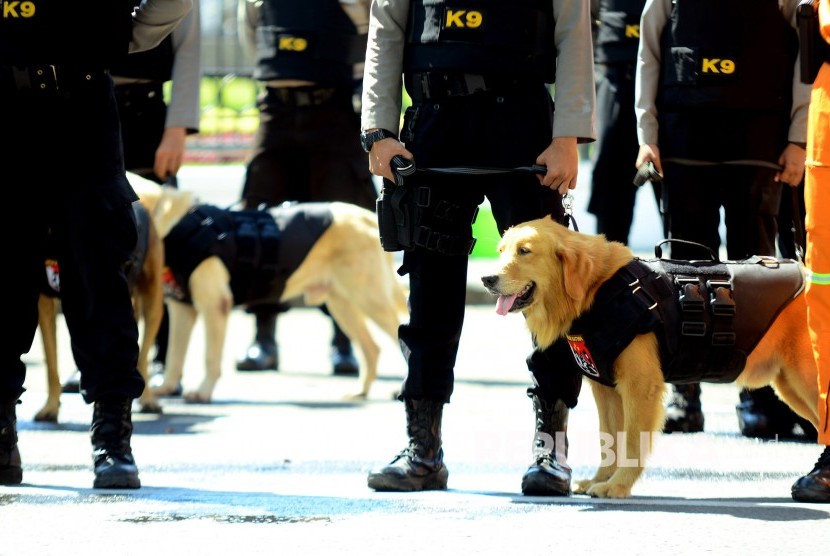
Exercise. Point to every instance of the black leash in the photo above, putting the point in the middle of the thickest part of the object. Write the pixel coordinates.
(748, 162)
(799, 235)
(402, 168)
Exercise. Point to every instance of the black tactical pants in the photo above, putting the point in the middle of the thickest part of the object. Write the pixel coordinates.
(613, 195)
(487, 130)
(63, 174)
(143, 115)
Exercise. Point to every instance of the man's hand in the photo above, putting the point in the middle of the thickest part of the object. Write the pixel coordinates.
(170, 152)
(382, 153)
(562, 162)
(792, 160)
(649, 153)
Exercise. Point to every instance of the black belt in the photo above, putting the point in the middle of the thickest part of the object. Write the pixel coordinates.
(299, 97)
(47, 79)
(442, 85)
(140, 90)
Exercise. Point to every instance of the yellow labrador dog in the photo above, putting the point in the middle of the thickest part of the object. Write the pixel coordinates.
(216, 259)
(145, 275)
(632, 326)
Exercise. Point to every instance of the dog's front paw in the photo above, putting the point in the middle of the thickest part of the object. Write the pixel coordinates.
(583, 486)
(49, 414)
(167, 390)
(356, 397)
(609, 490)
(197, 397)
(152, 406)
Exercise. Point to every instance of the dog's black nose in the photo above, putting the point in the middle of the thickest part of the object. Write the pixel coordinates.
(489, 281)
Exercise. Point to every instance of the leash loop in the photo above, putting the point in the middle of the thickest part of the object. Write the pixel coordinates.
(568, 205)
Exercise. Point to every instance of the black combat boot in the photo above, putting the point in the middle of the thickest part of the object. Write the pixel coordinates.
(11, 471)
(262, 355)
(343, 361)
(550, 475)
(815, 485)
(420, 466)
(683, 413)
(111, 429)
(762, 414)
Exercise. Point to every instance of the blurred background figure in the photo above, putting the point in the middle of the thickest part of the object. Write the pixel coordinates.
(309, 63)
(616, 38)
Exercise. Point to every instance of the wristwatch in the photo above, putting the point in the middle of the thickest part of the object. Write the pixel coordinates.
(369, 138)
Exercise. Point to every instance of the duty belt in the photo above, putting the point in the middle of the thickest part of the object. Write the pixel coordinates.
(299, 97)
(442, 85)
(47, 79)
(139, 90)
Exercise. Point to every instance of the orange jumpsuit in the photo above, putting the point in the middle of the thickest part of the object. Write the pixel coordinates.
(817, 197)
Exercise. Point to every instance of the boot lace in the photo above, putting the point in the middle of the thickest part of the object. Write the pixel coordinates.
(823, 459)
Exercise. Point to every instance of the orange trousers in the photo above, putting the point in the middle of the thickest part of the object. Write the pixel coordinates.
(817, 198)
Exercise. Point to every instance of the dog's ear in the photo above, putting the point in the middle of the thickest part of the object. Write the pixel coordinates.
(577, 267)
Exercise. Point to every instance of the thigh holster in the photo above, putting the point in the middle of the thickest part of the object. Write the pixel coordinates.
(410, 217)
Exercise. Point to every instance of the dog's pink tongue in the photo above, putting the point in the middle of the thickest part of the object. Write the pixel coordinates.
(505, 302)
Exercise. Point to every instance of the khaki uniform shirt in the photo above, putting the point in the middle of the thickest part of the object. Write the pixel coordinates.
(155, 19)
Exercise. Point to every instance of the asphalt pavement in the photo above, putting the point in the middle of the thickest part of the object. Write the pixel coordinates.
(278, 463)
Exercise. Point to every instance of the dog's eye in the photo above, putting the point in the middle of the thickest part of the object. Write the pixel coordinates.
(524, 250)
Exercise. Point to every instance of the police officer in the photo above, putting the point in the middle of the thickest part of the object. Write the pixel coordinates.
(613, 194)
(719, 108)
(63, 173)
(152, 132)
(476, 76)
(306, 148)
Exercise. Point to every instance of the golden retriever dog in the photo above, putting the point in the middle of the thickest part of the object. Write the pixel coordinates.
(148, 303)
(553, 276)
(345, 268)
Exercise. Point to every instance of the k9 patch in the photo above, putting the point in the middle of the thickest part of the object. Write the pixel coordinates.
(582, 355)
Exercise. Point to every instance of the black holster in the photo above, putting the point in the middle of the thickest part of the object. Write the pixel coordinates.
(394, 218)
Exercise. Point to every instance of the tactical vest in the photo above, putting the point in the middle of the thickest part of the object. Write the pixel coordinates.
(501, 37)
(260, 249)
(312, 40)
(155, 64)
(92, 34)
(618, 35)
(707, 316)
(741, 59)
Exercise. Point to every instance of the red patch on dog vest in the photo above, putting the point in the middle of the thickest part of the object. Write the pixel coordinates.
(171, 287)
(53, 277)
(582, 355)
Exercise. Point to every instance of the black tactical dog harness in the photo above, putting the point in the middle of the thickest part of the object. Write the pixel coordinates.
(707, 315)
(260, 248)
